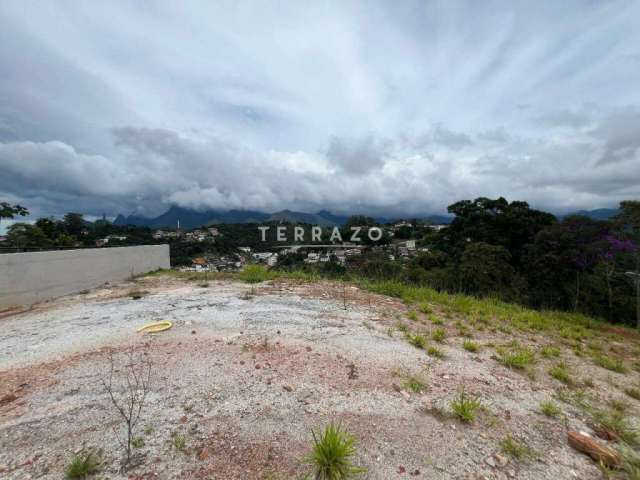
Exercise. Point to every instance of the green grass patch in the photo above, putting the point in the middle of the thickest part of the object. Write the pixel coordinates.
(439, 334)
(412, 315)
(516, 357)
(465, 407)
(633, 392)
(550, 351)
(515, 448)
(435, 352)
(331, 455)
(414, 384)
(81, 466)
(418, 340)
(610, 363)
(256, 274)
(470, 346)
(561, 372)
(549, 408)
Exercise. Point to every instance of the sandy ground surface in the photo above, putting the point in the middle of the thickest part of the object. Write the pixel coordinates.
(246, 373)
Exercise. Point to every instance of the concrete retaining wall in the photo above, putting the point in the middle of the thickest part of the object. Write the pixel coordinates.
(27, 278)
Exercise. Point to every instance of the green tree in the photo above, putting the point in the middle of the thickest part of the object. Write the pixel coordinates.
(11, 211)
(486, 270)
(628, 221)
(73, 224)
(23, 235)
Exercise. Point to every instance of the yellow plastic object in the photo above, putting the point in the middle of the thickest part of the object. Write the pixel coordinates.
(156, 327)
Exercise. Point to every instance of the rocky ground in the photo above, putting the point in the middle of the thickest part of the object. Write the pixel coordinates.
(246, 372)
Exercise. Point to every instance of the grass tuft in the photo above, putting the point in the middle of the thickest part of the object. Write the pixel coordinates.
(516, 357)
(633, 392)
(332, 453)
(439, 334)
(465, 406)
(550, 351)
(470, 346)
(435, 352)
(610, 363)
(81, 466)
(414, 384)
(515, 448)
(549, 408)
(417, 340)
(561, 372)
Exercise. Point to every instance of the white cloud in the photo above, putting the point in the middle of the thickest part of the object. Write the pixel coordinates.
(352, 106)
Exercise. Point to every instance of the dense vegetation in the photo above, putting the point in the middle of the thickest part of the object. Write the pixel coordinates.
(518, 254)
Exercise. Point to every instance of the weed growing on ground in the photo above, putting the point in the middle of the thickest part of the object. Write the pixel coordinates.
(550, 351)
(414, 384)
(137, 442)
(470, 346)
(412, 315)
(633, 392)
(435, 352)
(81, 466)
(435, 319)
(515, 448)
(465, 406)
(256, 274)
(439, 334)
(424, 308)
(549, 408)
(516, 357)
(561, 372)
(331, 455)
(179, 442)
(417, 340)
(610, 363)
(615, 425)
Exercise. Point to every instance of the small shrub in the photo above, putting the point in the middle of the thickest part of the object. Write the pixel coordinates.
(561, 373)
(516, 449)
(465, 407)
(470, 346)
(549, 408)
(435, 319)
(550, 351)
(435, 352)
(611, 363)
(417, 340)
(439, 334)
(332, 453)
(81, 465)
(412, 315)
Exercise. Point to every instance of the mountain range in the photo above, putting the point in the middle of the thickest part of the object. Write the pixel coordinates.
(192, 218)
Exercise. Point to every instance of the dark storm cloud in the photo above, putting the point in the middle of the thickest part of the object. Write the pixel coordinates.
(343, 105)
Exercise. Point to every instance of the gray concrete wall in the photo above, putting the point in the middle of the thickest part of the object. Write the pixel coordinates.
(27, 278)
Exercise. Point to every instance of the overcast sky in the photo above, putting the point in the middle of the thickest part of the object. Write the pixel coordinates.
(374, 107)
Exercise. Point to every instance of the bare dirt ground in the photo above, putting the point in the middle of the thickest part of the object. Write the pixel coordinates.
(246, 373)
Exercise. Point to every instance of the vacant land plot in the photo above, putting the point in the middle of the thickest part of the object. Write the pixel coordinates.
(246, 372)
